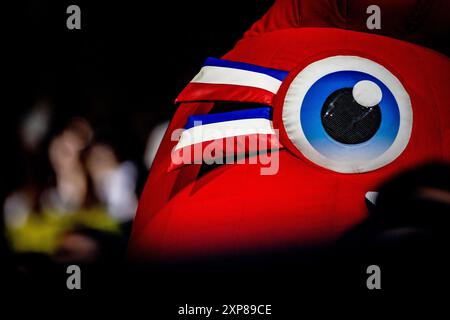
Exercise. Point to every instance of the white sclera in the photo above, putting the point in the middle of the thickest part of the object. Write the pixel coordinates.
(367, 93)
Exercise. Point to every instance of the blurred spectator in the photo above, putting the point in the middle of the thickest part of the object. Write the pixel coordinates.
(65, 157)
(87, 188)
(34, 126)
(114, 182)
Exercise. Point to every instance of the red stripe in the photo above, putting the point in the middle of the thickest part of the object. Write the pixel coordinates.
(238, 146)
(196, 92)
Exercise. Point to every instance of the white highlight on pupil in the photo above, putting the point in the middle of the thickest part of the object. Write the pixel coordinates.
(367, 93)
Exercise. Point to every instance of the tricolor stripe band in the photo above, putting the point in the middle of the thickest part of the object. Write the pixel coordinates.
(208, 127)
(223, 80)
(235, 133)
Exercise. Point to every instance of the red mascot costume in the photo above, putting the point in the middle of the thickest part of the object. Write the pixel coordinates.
(337, 106)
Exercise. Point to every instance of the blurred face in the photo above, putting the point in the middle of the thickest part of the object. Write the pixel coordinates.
(64, 151)
(398, 120)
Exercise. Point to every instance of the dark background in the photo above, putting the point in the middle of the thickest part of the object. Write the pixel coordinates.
(121, 71)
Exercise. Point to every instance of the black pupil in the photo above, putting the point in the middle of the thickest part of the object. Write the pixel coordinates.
(347, 121)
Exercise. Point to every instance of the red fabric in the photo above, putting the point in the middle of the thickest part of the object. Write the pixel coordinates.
(423, 22)
(234, 208)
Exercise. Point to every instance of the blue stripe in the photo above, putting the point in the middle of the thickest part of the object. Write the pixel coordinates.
(274, 73)
(265, 113)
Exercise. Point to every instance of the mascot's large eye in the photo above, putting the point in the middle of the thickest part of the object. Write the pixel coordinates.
(348, 114)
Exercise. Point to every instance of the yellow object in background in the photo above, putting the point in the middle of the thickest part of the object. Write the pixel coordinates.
(41, 231)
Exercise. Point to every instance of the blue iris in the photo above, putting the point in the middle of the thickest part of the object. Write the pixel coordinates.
(311, 122)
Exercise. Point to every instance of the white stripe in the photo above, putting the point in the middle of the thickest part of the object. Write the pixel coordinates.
(220, 130)
(221, 75)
